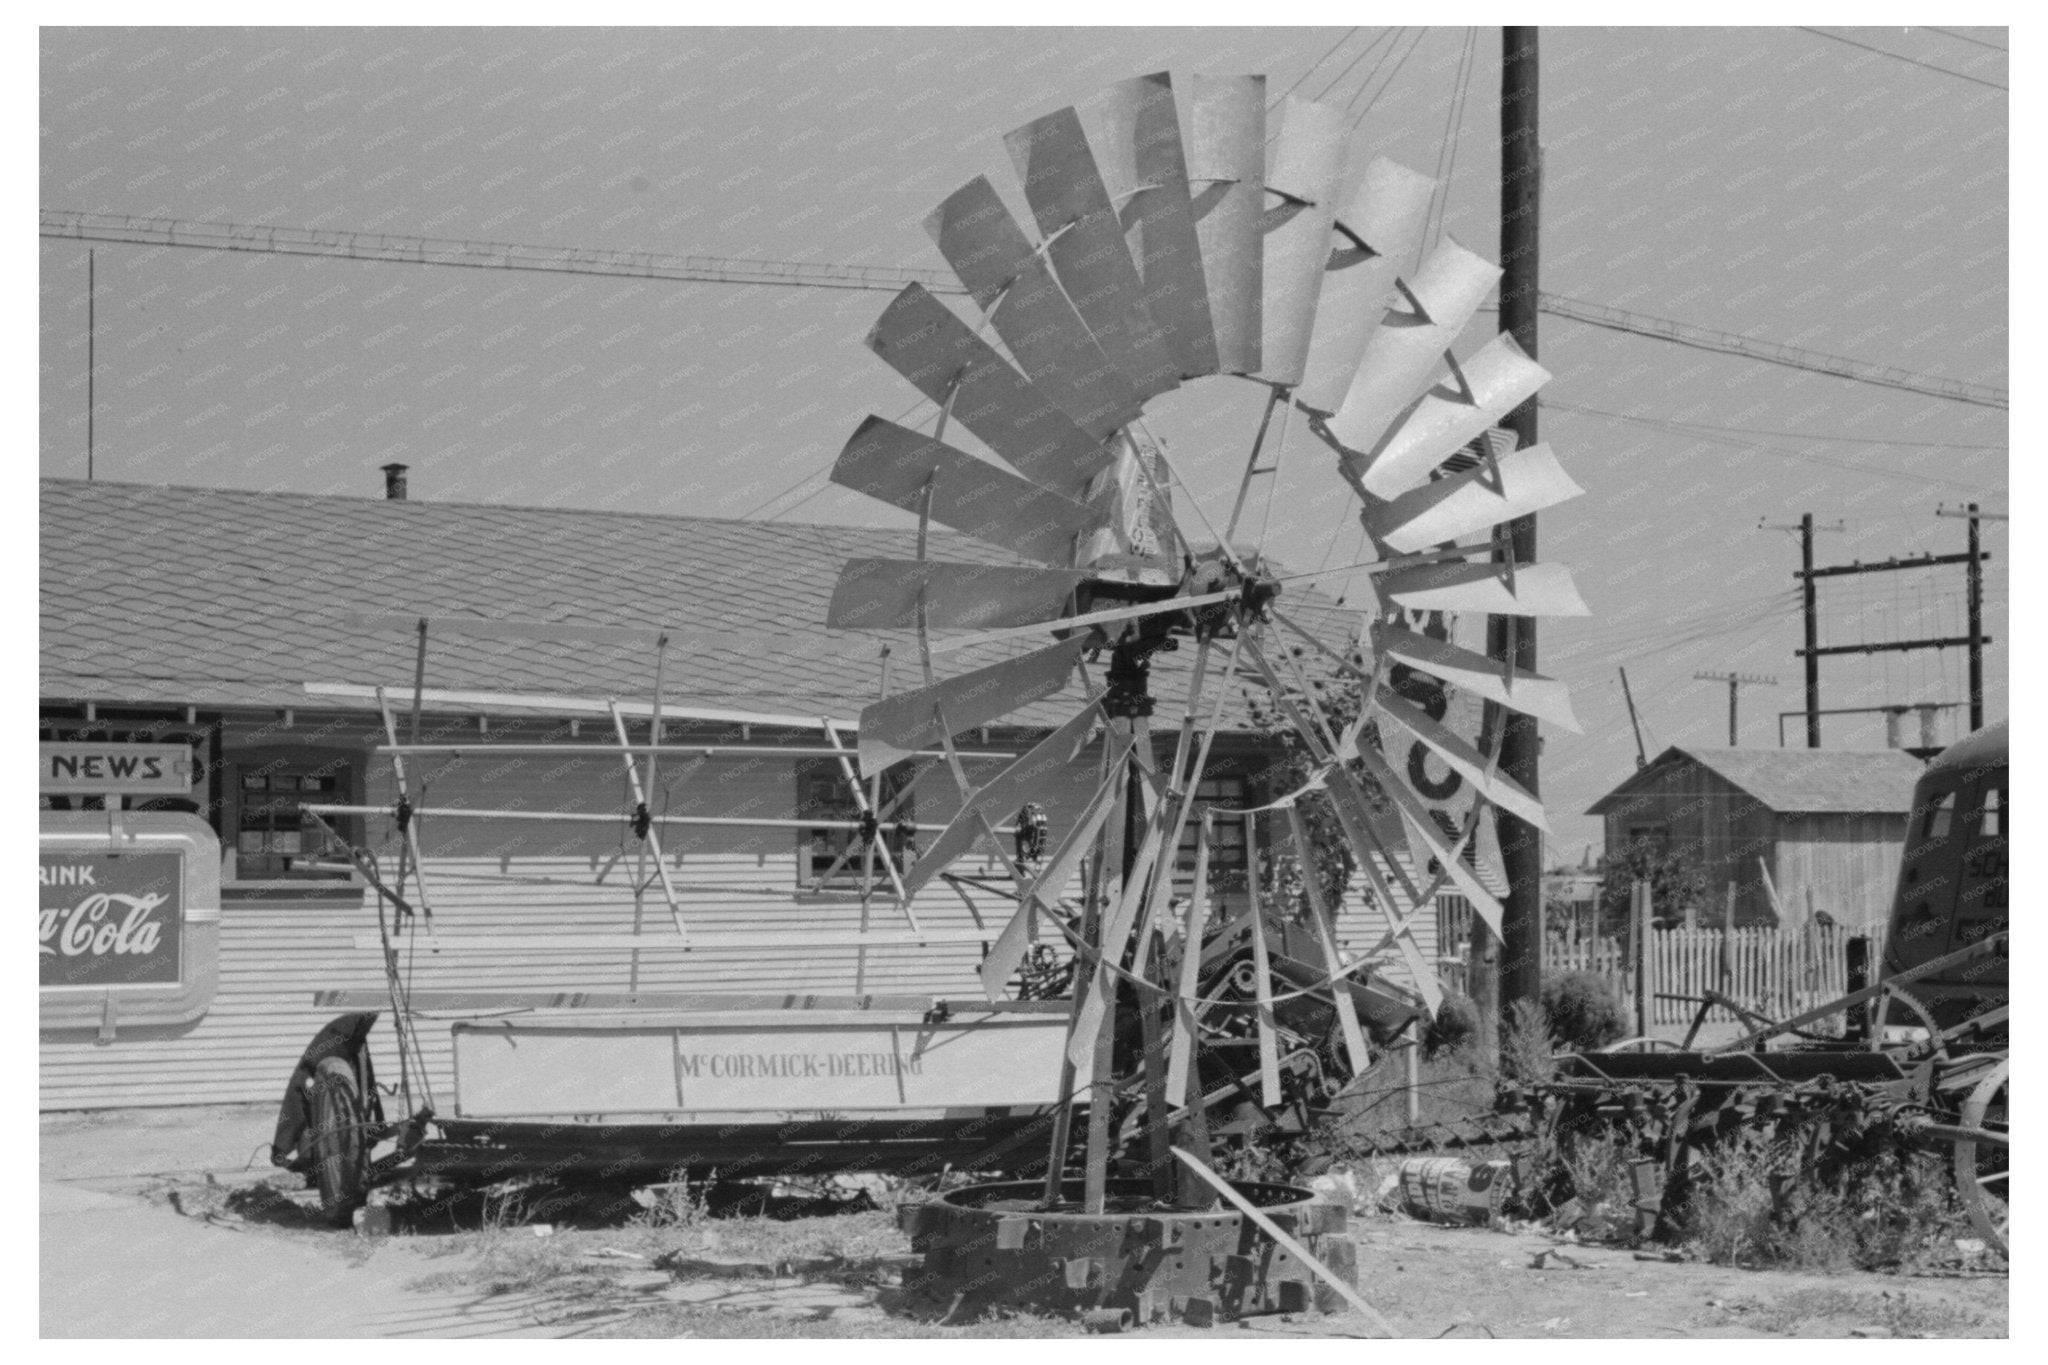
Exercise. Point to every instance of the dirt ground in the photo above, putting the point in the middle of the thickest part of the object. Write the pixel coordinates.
(155, 1223)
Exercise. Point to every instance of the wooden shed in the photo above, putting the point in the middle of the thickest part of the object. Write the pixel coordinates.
(1827, 821)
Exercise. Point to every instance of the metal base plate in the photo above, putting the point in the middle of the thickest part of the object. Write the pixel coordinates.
(989, 1247)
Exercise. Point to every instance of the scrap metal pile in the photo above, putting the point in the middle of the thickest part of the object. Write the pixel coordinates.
(1824, 1111)
(1830, 1107)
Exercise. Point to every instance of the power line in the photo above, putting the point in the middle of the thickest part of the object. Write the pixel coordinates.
(1328, 53)
(1385, 36)
(1962, 37)
(401, 249)
(1897, 57)
(1775, 352)
(1768, 431)
(1805, 457)
(1349, 66)
(814, 474)
(1454, 128)
(1684, 626)
(1393, 37)
(1420, 34)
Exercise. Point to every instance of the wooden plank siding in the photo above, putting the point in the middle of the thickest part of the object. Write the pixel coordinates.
(1850, 863)
(566, 882)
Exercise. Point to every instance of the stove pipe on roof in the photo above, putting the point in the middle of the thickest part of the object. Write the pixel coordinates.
(394, 481)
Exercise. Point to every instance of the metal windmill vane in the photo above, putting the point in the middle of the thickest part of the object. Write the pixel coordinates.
(1269, 246)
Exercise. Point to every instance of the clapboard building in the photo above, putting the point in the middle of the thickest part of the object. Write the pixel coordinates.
(1829, 824)
(254, 630)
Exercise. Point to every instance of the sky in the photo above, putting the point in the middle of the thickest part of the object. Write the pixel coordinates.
(1775, 183)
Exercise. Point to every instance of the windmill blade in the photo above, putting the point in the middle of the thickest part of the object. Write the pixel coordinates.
(1031, 777)
(923, 341)
(1539, 589)
(1145, 169)
(895, 465)
(894, 728)
(1522, 483)
(1308, 156)
(1531, 693)
(1498, 377)
(1094, 618)
(1085, 242)
(883, 594)
(1008, 949)
(1031, 313)
(1462, 757)
(1423, 833)
(1407, 351)
(1378, 232)
(1227, 173)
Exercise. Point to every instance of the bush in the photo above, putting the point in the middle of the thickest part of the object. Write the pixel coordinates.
(1455, 1026)
(1525, 1053)
(1583, 1011)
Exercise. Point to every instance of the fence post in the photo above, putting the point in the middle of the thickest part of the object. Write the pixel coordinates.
(1640, 903)
(1728, 941)
(1412, 1066)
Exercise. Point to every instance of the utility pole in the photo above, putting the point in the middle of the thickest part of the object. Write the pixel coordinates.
(93, 334)
(1812, 600)
(1974, 641)
(1519, 975)
(1975, 601)
(1734, 681)
(1811, 654)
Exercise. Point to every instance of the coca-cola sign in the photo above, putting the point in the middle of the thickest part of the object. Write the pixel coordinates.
(110, 919)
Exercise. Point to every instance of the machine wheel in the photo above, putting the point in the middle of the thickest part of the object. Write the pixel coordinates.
(338, 1141)
(1983, 1172)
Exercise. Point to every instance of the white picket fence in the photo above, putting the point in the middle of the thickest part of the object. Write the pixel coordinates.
(1772, 971)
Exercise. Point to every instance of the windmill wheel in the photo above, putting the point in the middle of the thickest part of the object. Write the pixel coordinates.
(1186, 241)
(1984, 1171)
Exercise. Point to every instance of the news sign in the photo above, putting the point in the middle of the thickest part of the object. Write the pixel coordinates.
(88, 769)
(110, 919)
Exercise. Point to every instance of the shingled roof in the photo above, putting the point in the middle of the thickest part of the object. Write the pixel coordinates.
(229, 598)
(1794, 781)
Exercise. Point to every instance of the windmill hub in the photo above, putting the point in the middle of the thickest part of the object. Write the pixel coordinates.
(1129, 694)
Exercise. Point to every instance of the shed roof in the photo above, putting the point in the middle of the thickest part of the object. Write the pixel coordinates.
(225, 598)
(1793, 781)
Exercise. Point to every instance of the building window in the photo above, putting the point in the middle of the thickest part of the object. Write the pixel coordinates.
(1226, 832)
(1453, 922)
(274, 838)
(829, 856)
(1658, 837)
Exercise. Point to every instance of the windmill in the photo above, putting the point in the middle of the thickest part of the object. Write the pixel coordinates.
(1199, 236)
